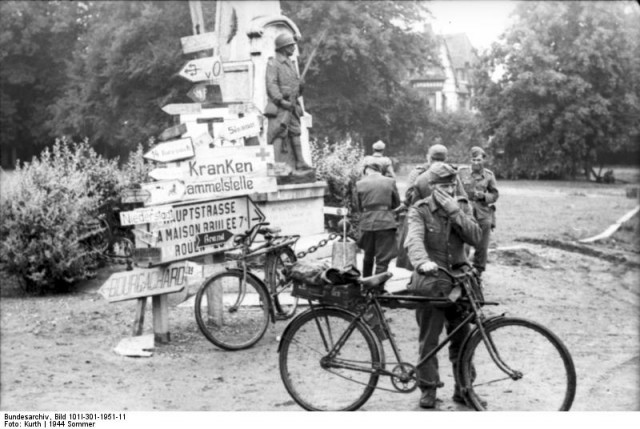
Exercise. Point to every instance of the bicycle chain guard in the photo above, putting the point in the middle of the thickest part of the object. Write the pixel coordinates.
(404, 377)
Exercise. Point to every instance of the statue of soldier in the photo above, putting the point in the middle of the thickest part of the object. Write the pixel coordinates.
(284, 110)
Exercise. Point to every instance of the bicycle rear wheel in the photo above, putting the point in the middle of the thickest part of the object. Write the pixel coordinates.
(310, 379)
(280, 288)
(548, 376)
(231, 313)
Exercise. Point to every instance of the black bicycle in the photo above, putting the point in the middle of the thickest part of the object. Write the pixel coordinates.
(330, 359)
(233, 307)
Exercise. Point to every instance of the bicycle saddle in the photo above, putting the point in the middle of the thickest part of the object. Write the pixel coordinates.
(375, 281)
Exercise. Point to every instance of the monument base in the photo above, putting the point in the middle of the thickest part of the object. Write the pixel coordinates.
(296, 177)
(295, 208)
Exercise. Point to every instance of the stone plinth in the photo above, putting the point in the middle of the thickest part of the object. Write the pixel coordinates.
(296, 208)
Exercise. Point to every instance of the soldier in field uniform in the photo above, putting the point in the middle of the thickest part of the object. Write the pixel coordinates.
(379, 158)
(376, 198)
(284, 110)
(482, 190)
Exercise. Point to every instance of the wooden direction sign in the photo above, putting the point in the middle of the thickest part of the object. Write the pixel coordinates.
(222, 172)
(247, 126)
(203, 69)
(182, 108)
(173, 132)
(199, 42)
(163, 192)
(135, 196)
(146, 215)
(143, 282)
(171, 151)
(202, 227)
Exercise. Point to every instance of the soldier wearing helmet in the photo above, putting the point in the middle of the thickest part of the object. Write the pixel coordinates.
(283, 90)
(386, 166)
(482, 190)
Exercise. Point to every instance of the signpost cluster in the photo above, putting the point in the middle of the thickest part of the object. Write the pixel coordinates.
(206, 166)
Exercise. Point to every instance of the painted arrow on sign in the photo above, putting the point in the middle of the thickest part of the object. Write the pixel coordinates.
(201, 69)
(164, 192)
(199, 42)
(173, 150)
(182, 109)
(173, 132)
(198, 222)
(212, 238)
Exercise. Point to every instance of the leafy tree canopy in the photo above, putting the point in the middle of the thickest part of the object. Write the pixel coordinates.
(570, 88)
(357, 85)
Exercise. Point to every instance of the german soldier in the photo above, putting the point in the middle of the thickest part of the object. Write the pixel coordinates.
(379, 158)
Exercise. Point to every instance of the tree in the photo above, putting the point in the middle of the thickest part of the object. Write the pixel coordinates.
(357, 85)
(123, 72)
(570, 91)
(35, 42)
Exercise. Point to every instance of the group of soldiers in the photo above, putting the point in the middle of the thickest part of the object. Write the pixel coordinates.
(449, 211)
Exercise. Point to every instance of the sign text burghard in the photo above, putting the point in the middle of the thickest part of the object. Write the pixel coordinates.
(142, 282)
(202, 227)
(171, 150)
(222, 172)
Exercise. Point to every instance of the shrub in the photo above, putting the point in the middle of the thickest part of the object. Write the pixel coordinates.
(43, 212)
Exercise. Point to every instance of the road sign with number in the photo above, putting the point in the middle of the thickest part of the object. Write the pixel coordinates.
(203, 69)
(202, 227)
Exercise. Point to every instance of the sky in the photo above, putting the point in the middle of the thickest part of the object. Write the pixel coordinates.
(482, 20)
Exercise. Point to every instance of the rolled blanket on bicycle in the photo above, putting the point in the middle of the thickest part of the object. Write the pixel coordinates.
(319, 273)
(315, 281)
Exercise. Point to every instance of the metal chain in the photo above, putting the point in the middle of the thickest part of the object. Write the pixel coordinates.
(320, 244)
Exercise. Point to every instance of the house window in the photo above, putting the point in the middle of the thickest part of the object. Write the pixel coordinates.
(462, 102)
(432, 101)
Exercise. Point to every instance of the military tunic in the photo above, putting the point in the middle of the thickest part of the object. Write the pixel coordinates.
(376, 197)
(482, 190)
(437, 237)
(386, 166)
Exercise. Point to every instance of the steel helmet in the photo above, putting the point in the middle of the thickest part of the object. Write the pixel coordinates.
(283, 40)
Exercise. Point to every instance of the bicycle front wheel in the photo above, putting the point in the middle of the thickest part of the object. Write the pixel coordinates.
(540, 362)
(232, 313)
(280, 288)
(311, 378)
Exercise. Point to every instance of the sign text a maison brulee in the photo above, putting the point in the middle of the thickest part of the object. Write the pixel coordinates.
(222, 172)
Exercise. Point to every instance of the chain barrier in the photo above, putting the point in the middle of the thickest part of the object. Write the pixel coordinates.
(320, 244)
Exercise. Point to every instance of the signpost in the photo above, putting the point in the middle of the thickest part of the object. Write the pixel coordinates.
(171, 151)
(202, 227)
(182, 109)
(173, 132)
(198, 42)
(203, 69)
(163, 192)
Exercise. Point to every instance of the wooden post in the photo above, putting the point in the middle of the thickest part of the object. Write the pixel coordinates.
(161, 319)
(197, 20)
(138, 323)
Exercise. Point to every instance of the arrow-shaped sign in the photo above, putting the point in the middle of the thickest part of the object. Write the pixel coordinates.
(147, 215)
(164, 192)
(182, 108)
(254, 214)
(173, 132)
(198, 42)
(141, 282)
(201, 69)
(205, 93)
(173, 150)
(213, 238)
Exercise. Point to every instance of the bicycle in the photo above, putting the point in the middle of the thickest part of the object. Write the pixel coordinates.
(103, 234)
(233, 308)
(330, 359)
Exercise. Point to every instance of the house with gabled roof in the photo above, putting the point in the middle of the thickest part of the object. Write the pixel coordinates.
(448, 85)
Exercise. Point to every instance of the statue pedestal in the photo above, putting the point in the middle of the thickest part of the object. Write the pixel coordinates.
(295, 208)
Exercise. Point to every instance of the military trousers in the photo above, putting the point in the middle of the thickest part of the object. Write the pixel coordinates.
(431, 320)
(482, 249)
(379, 249)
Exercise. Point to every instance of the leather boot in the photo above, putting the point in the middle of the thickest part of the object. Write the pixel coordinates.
(297, 151)
(428, 398)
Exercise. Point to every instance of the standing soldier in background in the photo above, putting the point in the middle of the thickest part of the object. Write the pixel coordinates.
(482, 190)
(378, 157)
(376, 197)
(283, 109)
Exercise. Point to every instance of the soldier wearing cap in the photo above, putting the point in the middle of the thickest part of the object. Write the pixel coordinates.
(438, 228)
(482, 190)
(376, 197)
(283, 90)
(378, 157)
